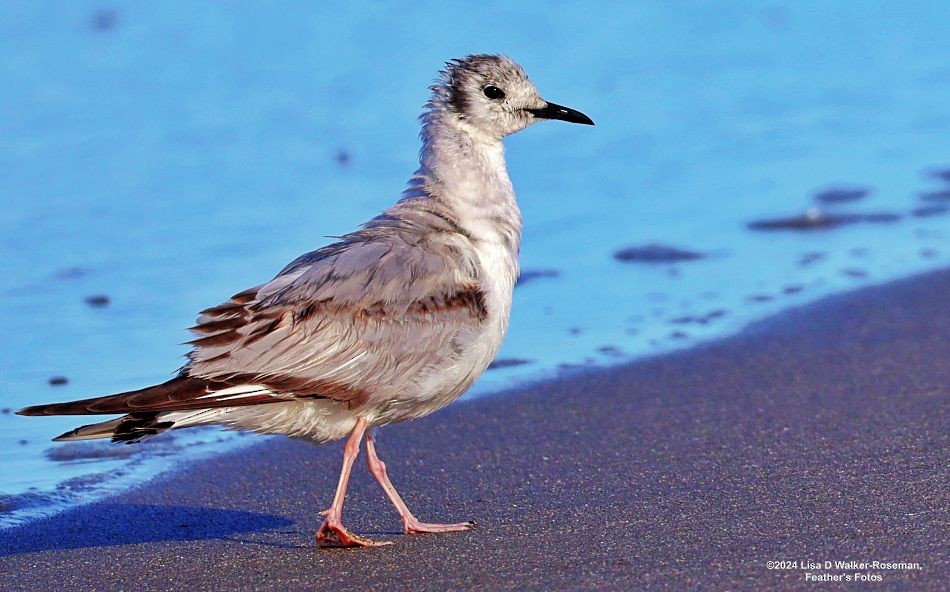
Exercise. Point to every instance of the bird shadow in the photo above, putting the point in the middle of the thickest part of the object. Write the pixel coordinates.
(110, 524)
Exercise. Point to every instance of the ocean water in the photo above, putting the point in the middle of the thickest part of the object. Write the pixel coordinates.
(156, 158)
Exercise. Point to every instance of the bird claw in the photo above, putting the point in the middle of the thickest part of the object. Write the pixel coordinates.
(417, 527)
(332, 536)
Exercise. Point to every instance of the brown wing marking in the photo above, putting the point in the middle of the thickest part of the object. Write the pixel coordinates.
(186, 392)
(225, 323)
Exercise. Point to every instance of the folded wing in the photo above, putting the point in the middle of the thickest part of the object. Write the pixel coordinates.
(369, 312)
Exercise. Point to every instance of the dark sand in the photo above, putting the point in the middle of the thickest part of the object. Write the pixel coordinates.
(819, 435)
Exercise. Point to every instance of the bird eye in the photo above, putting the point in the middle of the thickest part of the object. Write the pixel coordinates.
(494, 93)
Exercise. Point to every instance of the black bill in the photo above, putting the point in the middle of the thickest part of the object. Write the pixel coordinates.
(554, 111)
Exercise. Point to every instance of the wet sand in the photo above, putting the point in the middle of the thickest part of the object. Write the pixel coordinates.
(821, 434)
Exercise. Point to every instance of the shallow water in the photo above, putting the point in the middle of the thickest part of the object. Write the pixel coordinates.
(160, 157)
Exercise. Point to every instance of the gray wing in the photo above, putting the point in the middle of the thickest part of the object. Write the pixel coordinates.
(374, 310)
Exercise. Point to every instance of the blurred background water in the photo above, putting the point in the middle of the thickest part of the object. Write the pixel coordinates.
(156, 158)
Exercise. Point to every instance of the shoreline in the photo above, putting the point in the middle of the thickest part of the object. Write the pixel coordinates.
(809, 436)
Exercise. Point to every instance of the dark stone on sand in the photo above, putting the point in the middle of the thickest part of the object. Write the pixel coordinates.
(570, 366)
(656, 253)
(84, 482)
(508, 363)
(930, 210)
(342, 158)
(835, 195)
(702, 319)
(89, 451)
(98, 301)
(104, 19)
(611, 350)
(812, 257)
(935, 196)
(940, 173)
(58, 381)
(879, 217)
(529, 275)
(815, 219)
(71, 273)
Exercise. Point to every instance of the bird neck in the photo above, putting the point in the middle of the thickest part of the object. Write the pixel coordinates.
(465, 170)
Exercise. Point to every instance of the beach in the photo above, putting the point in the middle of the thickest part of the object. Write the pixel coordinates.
(816, 435)
(681, 217)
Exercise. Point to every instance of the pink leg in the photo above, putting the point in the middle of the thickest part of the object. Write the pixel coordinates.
(409, 522)
(332, 533)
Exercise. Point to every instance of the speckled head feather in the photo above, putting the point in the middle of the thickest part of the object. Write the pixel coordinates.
(489, 92)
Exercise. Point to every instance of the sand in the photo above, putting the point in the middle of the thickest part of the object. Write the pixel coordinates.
(821, 434)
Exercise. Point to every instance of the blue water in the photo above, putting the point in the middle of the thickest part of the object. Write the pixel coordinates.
(167, 155)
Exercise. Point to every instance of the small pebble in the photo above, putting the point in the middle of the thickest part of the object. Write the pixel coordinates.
(104, 19)
(507, 363)
(529, 275)
(841, 195)
(656, 253)
(98, 301)
(930, 210)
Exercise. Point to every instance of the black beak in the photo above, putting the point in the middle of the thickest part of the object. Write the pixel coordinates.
(553, 111)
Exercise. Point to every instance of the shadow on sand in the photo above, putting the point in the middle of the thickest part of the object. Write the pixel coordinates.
(127, 524)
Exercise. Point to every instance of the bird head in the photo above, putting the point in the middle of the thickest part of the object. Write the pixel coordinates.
(493, 94)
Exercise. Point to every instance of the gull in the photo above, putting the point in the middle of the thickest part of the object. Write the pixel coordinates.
(390, 323)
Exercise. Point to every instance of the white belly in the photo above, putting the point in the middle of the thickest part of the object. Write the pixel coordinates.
(444, 383)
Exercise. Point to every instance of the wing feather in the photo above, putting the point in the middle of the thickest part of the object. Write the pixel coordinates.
(374, 309)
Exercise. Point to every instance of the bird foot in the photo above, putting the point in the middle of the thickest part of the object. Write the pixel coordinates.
(335, 535)
(416, 527)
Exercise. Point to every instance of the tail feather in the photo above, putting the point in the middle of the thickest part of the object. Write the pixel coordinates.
(182, 401)
(136, 427)
(177, 390)
(91, 431)
(182, 393)
(129, 429)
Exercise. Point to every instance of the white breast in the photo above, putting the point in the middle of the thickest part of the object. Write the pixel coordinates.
(473, 181)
